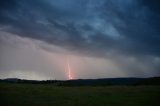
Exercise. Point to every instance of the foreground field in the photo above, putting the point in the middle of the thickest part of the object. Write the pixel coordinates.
(48, 95)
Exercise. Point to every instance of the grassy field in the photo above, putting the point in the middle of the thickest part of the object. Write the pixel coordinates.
(49, 95)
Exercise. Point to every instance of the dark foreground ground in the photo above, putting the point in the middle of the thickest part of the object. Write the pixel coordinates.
(49, 95)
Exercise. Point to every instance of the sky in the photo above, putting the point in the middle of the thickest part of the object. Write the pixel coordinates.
(97, 38)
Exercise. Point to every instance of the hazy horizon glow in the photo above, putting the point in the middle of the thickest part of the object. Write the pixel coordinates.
(103, 39)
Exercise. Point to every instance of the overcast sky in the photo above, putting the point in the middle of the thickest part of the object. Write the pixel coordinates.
(98, 38)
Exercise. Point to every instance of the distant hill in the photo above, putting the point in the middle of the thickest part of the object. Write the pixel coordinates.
(149, 81)
(103, 82)
(90, 82)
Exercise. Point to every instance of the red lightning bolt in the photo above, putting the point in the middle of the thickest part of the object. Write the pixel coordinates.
(69, 69)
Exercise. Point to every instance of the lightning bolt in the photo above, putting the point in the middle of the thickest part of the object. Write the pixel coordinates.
(69, 69)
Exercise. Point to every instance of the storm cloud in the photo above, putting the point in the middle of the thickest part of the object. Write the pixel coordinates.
(124, 32)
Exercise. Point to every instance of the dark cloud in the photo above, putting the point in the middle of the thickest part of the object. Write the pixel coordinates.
(117, 30)
(87, 26)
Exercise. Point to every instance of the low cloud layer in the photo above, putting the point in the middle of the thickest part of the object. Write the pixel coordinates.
(123, 32)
